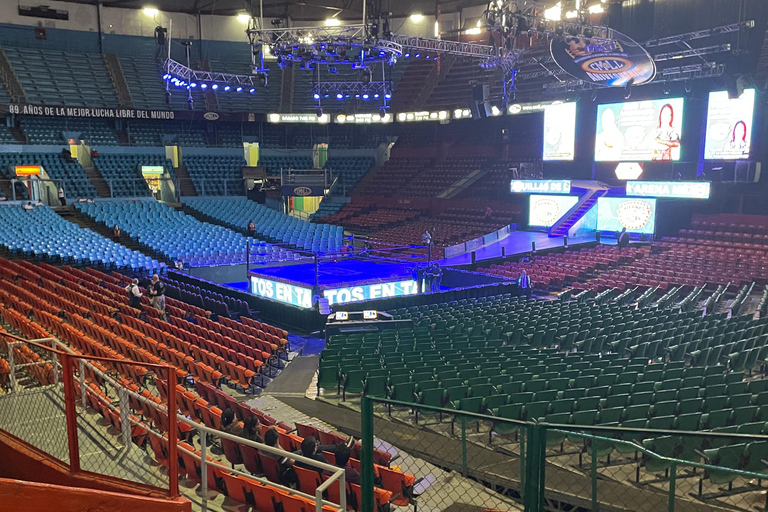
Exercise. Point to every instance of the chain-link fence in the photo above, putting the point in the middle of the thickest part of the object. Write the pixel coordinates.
(461, 458)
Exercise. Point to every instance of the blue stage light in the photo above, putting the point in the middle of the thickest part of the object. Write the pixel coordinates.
(316, 96)
(252, 90)
(407, 55)
(327, 96)
(365, 96)
(226, 88)
(418, 55)
(376, 96)
(427, 57)
(339, 96)
(193, 85)
(239, 89)
(388, 96)
(346, 95)
(357, 96)
(215, 86)
(204, 86)
(166, 76)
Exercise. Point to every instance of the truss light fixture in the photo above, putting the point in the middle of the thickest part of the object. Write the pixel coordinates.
(417, 18)
(332, 22)
(252, 90)
(203, 86)
(243, 17)
(239, 89)
(151, 11)
(596, 9)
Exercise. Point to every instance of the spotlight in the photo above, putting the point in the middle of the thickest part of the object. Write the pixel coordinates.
(376, 96)
(339, 96)
(418, 55)
(239, 89)
(407, 55)
(193, 85)
(151, 11)
(227, 88)
(316, 96)
(365, 96)
(243, 17)
(357, 96)
(388, 96)
(215, 86)
(166, 76)
(203, 86)
(252, 90)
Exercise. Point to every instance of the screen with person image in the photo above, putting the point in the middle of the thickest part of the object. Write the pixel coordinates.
(639, 130)
(559, 131)
(729, 126)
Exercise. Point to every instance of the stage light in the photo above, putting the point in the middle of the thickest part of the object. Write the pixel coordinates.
(327, 96)
(204, 86)
(243, 17)
(376, 96)
(333, 69)
(437, 29)
(166, 76)
(239, 89)
(495, 111)
(407, 55)
(417, 18)
(227, 88)
(365, 96)
(426, 57)
(252, 90)
(572, 14)
(332, 22)
(151, 11)
(388, 96)
(473, 31)
(418, 55)
(553, 13)
(357, 96)
(339, 96)
(316, 96)
(596, 9)
(215, 86)
(193, 85)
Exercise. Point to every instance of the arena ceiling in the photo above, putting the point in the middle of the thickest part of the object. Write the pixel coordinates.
(308, 10)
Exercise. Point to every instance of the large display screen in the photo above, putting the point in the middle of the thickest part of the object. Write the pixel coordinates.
(729, 126)
(639, 130)
(559, 131)
(371, 292)
(282, 292)
(540, 186)
(636, 214)
(544, 211)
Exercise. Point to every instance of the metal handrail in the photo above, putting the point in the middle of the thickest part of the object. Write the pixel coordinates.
(336, 473)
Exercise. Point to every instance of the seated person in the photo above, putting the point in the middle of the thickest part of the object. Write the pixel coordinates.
(229, 425)
(251, 429)
(312, 449)
(341, 453)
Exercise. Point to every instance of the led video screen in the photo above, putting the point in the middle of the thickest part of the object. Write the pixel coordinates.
(559, 131)
(544, 211)
(639, 130)
(636, 214)
(729, 126)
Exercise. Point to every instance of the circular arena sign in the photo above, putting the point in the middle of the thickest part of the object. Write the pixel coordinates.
(614, 62)
(633, 215)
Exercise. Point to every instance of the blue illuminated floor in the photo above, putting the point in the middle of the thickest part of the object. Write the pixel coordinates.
(342, 272)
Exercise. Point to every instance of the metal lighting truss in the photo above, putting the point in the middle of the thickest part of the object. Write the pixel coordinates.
(190, 76)
(700, 34)
(693, 71)
(692, 52)
(439, 46)
(300, 44)
(333, 88)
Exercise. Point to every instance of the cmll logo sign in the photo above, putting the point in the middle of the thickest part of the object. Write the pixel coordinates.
(634, 214)
(211, 116)
(302, 191)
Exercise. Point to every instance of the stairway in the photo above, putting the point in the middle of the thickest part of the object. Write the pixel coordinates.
(115, 70)
(187, 188)
(101, 186)
(11, 81)
(586, 202)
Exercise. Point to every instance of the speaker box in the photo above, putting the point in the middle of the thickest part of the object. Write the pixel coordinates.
(735, 86)
(480, 106)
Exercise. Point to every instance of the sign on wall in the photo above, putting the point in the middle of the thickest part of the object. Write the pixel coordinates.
(540, 186)
(673, 189)
(371, 292)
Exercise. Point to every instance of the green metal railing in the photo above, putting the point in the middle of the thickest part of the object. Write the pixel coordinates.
(508, 464)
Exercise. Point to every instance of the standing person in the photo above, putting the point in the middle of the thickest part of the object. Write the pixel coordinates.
(251, 229)
(134, 294)
(157, 294)
(524, 282)
(116, 234)
(62, 198)
(623, 239)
